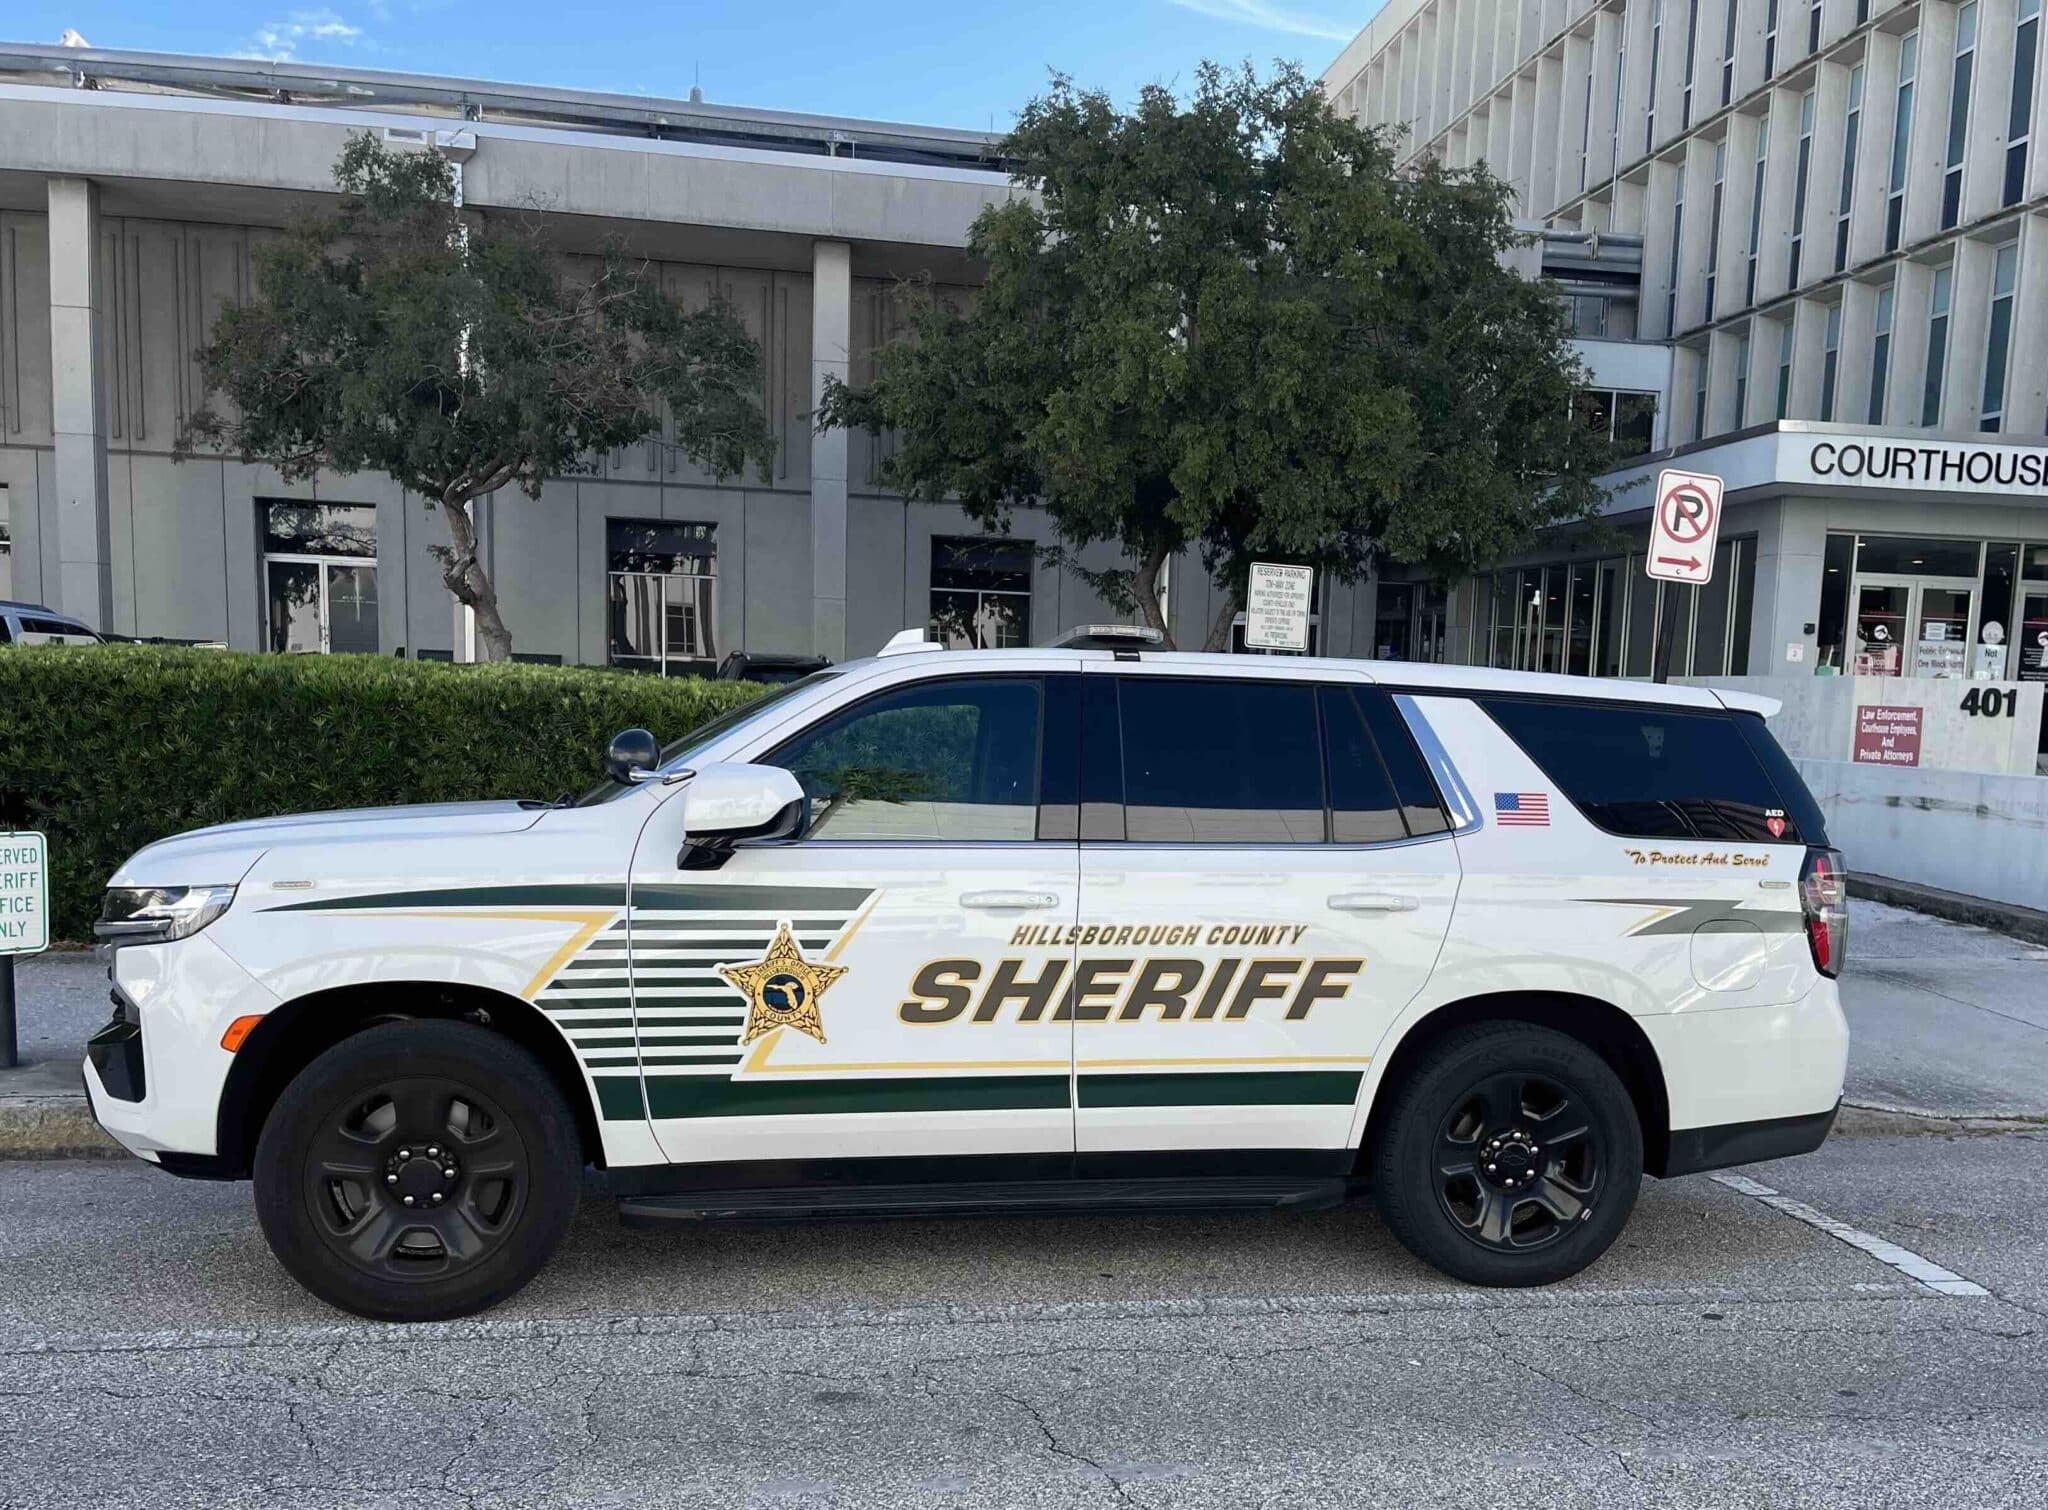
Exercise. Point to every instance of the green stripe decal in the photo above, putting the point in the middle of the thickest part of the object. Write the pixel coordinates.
(1228, 1088)
(618, 1097)
(764, 899)
(674, 1096)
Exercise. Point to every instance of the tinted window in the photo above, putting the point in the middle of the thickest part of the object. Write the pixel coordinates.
(1363, 809)
(1800, 808)
(6, 633)
(1421, 805)
(1651, 772)
(939, 760)
(1225, 762)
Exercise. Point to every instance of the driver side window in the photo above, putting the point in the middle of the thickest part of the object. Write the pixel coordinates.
(949, 760)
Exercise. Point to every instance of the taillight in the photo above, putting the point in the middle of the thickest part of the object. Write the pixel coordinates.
(1824, 897)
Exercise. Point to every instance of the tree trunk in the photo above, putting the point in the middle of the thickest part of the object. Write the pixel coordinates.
(466, 579)
(1219, 632)
(1145, 589)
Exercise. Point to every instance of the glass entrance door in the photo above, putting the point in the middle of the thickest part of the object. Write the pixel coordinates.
(1913, 626)
(2030, 645)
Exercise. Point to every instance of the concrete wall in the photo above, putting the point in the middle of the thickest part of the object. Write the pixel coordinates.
(1818, 719)
(1981, 835)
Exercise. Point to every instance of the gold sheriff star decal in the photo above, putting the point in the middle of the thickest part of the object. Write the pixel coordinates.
(782, 989)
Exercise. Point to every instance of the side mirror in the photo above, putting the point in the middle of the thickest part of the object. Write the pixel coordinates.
(632, 756)
(725, 804)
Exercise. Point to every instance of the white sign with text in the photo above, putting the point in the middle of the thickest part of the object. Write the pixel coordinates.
(1684, 526)
(1276, 606)
(24, 893)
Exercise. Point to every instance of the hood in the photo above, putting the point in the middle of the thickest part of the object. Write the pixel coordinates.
(223, 854)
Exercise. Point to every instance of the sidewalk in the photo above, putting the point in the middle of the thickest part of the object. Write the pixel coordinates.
(1946, 1022)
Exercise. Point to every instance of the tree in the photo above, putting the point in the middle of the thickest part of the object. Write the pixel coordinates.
(398, 333)
(1232, 326)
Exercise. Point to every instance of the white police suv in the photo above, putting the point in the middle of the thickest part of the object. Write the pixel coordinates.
(1011, 930)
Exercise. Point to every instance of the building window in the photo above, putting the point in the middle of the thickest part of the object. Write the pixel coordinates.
(1801, 179)
(1959, 115)
(1742, 377)
(1937, 345)
(981, 593)
(1692, 49)
(1620, 88)
(1699, 397)
(1831, 361)
(1728, 52)
(662, 583)
(2019, 128)
(1852, 133)
(1677, 253)
(1756, 208)
(1902, 140)
(1771, 39)
(1714, 224)
(1813, 25)
(1586, 133)
(6, 548)
(1602, 617)
(320, 577)
(1785, 367)
(1656, 62)
(1627, 419)
(2005, 273)
(1881, 354)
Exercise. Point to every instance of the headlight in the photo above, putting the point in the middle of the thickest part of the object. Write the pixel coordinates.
(158, 914)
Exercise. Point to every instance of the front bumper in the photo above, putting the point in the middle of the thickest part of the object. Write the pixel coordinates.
(155, 1074)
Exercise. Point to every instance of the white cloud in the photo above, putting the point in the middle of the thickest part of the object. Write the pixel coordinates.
(1272, 18)
(280, 41)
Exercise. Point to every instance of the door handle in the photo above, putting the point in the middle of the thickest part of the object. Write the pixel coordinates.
(1021, 901)
(1373, 901)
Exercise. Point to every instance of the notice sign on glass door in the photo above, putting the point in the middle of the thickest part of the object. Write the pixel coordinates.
(1887, 735)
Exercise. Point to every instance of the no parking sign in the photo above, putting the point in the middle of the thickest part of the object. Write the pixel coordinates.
(1684, 527)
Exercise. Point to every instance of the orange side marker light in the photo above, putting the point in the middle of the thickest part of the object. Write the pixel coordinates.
(238, 1030)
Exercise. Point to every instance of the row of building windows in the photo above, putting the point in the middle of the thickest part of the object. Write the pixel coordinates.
(1603, 617)
(1802, 265)
(661, 588)
(1991, 387)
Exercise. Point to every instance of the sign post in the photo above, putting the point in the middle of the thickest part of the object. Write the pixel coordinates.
(24, 923)
(1684, 527)
(1276, 607)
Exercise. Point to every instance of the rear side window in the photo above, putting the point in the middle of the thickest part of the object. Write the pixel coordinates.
(1653, 772)
(1224, 762)
(1800, 808)
(1379, 787)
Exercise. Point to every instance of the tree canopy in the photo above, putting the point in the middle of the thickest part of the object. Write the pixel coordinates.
(1231, 325)
(399, 333)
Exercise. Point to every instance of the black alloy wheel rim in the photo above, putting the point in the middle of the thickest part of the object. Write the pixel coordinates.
(1518, 1161)
(416, 1179)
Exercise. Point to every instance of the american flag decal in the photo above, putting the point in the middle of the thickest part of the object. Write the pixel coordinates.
(1521, 809)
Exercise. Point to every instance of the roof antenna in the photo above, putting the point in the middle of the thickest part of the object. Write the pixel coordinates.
(696, 83)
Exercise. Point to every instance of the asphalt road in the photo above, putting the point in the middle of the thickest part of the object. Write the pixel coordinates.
(151, 1354)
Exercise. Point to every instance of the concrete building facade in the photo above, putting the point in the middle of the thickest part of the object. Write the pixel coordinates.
(133, 189)
(1839, 215)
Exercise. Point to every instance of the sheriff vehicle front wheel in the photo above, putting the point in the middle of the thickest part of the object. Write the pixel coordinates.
(1511, 1156)
(417, 1171)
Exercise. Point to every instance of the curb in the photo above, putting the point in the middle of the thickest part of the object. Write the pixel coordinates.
(52, 1127)
(2009, 918)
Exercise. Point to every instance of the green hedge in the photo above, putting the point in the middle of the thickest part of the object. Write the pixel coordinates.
(106, 748)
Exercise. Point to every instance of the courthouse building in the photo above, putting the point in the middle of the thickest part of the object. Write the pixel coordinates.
(133, 188)
(1806, 246)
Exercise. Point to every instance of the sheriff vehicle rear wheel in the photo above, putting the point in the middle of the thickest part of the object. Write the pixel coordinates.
(417, 1171)
(1510, 1156)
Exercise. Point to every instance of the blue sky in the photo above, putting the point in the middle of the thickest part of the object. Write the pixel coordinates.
(966, 63)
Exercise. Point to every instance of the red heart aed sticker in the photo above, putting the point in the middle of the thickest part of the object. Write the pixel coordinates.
(1776, 826)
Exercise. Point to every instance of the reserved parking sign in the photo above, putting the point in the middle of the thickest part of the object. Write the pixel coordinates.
(24, 893)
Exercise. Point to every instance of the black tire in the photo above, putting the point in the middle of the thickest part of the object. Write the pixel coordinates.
(1549, 1119)
(350, 1138)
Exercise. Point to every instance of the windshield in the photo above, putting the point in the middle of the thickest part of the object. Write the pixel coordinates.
(704, 734)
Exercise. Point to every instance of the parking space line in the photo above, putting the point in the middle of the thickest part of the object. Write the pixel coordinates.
(1921, 1270)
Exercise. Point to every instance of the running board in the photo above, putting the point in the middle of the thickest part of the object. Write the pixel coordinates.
(1017, 1198)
